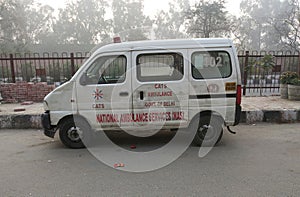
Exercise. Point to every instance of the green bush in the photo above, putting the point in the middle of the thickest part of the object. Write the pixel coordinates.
(288, 77)
(295, 82)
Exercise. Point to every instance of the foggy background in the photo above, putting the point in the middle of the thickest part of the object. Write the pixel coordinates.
(80, 25)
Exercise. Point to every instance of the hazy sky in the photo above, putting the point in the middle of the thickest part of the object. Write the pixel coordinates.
(151, 6)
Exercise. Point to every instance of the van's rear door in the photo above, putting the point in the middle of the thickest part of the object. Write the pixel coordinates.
(213, 81)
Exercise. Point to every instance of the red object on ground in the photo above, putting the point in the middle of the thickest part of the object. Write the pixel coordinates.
(27, 103)
(19, 109)
(133, 146)
(119, 165)
(116, 165)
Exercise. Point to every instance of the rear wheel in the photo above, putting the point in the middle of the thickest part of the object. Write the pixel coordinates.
(209, 130)
(72, 135)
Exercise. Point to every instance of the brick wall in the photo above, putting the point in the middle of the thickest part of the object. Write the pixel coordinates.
(24, 91)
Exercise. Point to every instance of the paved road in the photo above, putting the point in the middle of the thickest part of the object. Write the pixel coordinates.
(261, 160)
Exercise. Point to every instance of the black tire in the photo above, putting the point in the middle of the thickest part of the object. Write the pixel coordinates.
(71, 134)
(209, 130)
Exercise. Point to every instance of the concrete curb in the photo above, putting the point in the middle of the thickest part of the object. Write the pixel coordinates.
(33, 121)
(272, 116)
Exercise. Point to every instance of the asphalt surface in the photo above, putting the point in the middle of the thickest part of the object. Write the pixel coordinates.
(261, 160)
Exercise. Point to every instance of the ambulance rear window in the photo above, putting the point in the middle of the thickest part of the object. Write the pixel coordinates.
(159, 67)
(211, 65)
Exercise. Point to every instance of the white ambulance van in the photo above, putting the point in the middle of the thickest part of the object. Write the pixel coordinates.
(167, 84)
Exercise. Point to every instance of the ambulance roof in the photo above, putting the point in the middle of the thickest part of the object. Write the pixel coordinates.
(166, 44)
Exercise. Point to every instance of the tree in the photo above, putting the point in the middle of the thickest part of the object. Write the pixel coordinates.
(288, 25)
(263, 66)
(21, 22)
(241, 39)
(208, 19)
(82, 22)
(44, 34)
(129, 21)
(255, 28)
(247, 33)
(168, 24)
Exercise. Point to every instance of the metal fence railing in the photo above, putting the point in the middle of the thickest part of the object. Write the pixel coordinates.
(55, 67)
(37, 67)
(257, 82)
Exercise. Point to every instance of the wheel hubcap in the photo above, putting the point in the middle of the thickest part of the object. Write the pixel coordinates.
(206, 132)
(74, 134)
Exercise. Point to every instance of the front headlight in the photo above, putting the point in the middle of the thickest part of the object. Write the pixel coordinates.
(45, 105)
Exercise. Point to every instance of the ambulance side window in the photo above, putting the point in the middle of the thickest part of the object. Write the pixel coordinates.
(107, 70)
(159, 67)
(211, 65)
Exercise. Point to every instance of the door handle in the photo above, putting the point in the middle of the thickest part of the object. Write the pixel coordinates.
(141, 95)
(124, 94)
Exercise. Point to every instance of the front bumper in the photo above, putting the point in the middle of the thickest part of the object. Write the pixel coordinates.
(49, 130)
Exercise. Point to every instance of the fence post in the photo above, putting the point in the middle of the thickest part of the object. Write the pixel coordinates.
(12, 68)
(245, 73)
(299, 63)
(72, 64)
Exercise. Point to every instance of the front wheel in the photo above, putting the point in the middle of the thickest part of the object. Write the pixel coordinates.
(71, 134)
(209, 130)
